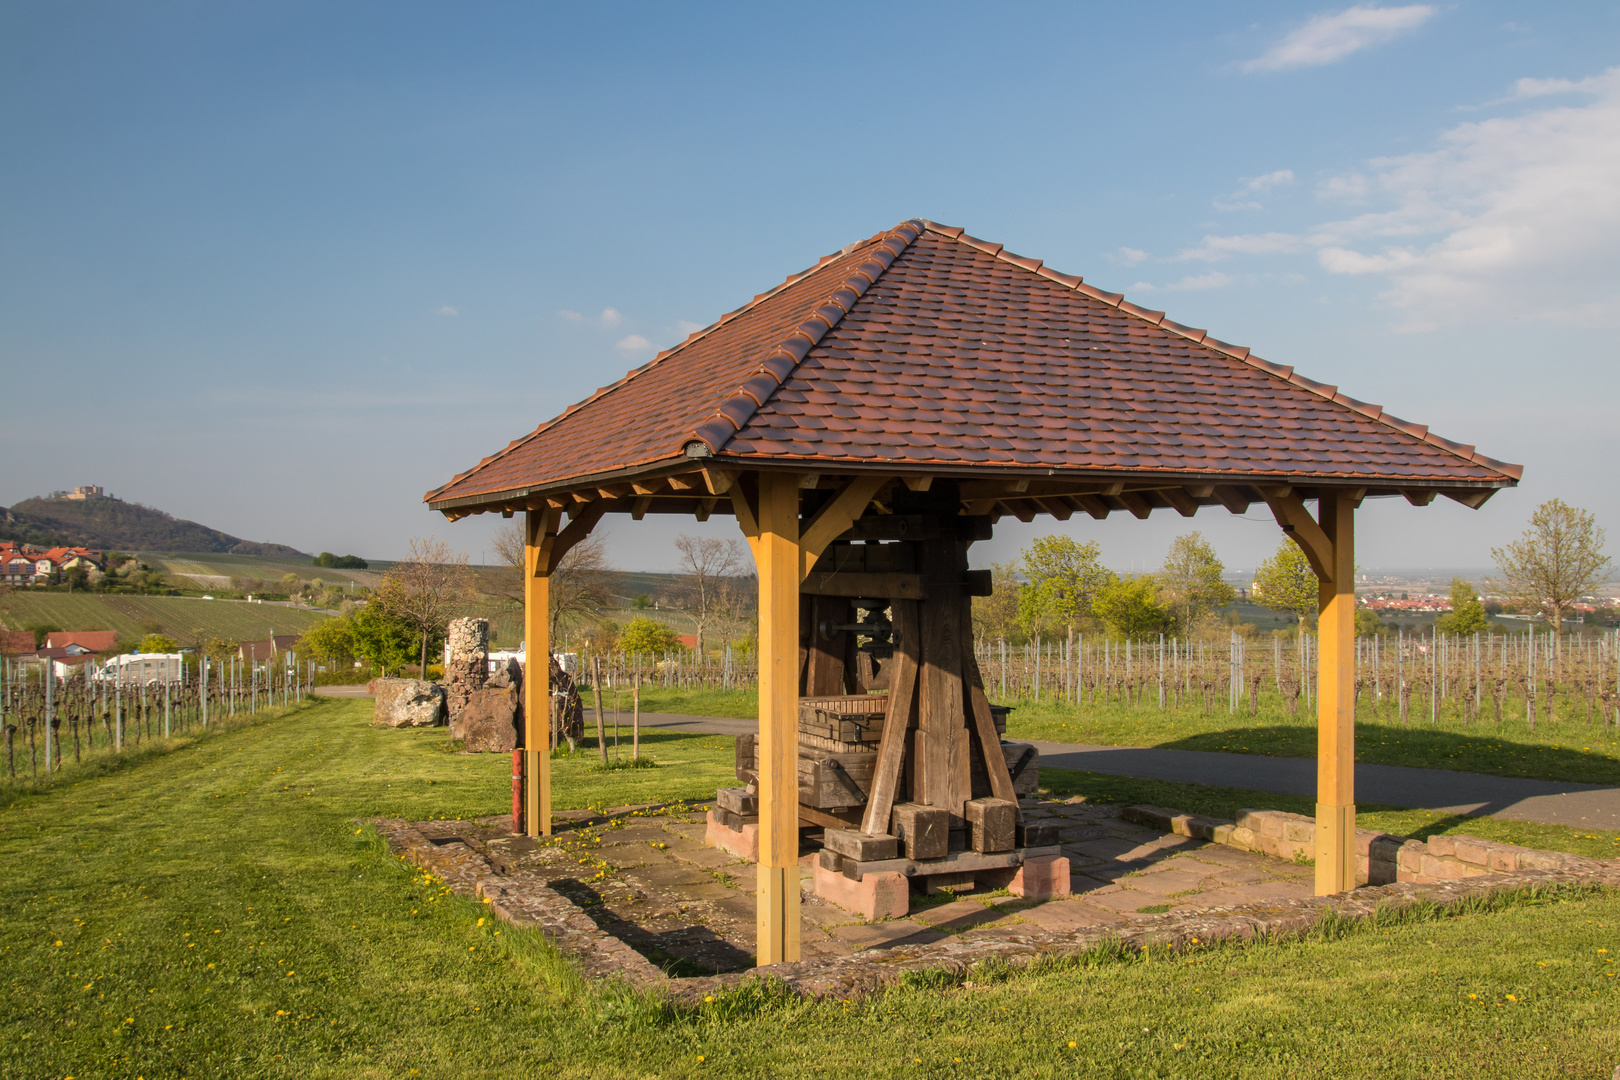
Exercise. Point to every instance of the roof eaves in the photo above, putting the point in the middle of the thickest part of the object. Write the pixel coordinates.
(715, 432)
(1237, 352)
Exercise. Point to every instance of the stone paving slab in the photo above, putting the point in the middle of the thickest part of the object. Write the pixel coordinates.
(633, 893)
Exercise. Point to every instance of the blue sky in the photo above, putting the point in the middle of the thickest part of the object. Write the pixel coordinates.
(281, 268)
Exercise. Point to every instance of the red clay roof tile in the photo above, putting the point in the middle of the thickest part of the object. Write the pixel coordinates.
(947, 349)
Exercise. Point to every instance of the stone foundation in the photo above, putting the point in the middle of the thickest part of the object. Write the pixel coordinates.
(1380, 858)
(742, 841)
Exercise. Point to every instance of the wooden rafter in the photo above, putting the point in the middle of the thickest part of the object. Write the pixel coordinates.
(1136, 504)
(1093, 505)
(1180, 500)
(1232, 498)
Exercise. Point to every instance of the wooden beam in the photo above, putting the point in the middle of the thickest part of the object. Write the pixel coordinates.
(896, 721)
(747, 519)
(1473, 498)
(718, 481)
(1022, 509)
(1092, 505)
(779, 560)
(1058, 508)
(1232, 498)
(835, 518)
(1419, 496)
(638, 509)
(1135, 503)
(578, 529)
(918, 483)
(1297, 522)
(984, 726)
(1183, 504)
(1336, 698)
(685, 483)
(1201, 491)
(613, 491)
(705, 507)
(539, 540)
(880, 586)
(648, 487)
(979, 507)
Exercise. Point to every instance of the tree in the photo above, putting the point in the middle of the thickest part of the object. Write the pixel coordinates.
(426, 589)
(1130, 606)
(158, 643)
(996, 616)
(1286, 582)
(1368, 623)
(1557, 560)
(581, 584)
(1467, 613)
(330, 641)
(644, 635)
(380, 639)
(1191, 581)
(710, 586)
(1060, 578)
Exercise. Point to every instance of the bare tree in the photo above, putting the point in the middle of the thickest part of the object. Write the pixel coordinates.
(711, 581)
(581, 585)
(426, 589)
(1558, 560)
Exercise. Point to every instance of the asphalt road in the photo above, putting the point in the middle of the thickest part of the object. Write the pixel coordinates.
(1551, 802)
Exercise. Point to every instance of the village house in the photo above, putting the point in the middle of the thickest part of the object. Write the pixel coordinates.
(24, 564)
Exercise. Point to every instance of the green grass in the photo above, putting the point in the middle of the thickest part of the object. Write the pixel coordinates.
(1225, 802)
(181, 617)
(735, 704)
(220, 916)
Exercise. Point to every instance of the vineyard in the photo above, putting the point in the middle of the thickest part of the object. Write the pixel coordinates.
(184, 618)
(46, 720)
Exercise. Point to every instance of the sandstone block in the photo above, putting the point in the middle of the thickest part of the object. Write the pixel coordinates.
(1041, 879)
(1502, 858)
(1243, 837)
(1442, 845)
(1470, 850)
(1222, 834)
(742, 842)
(403, 703)
(875, 896)
(488, 722)
(1440, 868)
(1298, 829)
(1410, 856)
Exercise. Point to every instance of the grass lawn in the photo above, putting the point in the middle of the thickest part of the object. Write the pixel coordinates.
(1563, 749)
(212, 911)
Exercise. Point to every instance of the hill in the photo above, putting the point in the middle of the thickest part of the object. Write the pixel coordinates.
(115, 525)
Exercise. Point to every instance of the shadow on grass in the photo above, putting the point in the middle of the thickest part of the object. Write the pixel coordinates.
(1426, 748)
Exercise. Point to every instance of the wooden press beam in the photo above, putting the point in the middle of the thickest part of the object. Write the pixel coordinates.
(896, 719)
(778, 558)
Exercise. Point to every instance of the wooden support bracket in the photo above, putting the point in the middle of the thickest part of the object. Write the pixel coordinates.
(1296, 521)
(835, 518)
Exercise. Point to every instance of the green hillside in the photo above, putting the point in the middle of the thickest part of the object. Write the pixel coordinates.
(112, 524)
(186, 619)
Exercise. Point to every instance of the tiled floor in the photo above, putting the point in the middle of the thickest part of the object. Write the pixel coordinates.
(646, 877)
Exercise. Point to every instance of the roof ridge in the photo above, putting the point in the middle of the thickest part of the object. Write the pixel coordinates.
(601, 391)
(781, 361)
(1238, 352)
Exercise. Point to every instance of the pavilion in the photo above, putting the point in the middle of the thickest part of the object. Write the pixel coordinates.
(924, 375)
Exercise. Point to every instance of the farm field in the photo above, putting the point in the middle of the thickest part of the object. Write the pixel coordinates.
(220, 913)
(184, 618)
(223, 567)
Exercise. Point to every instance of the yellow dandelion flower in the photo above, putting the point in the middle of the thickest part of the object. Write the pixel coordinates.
(1073, 1044)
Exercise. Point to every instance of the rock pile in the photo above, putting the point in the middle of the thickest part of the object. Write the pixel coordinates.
(466, 662)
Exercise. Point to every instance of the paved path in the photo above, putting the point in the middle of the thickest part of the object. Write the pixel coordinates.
(1552, 802)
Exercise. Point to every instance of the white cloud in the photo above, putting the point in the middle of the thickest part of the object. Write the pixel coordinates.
(1514, 218)
(1130, 256)
(1534, 88)
(1192, 283)
(687, 329)
(1215, 248)
(1325, 39)
(446, 309)
(633, 344)
(1243, 197)
(608, 319)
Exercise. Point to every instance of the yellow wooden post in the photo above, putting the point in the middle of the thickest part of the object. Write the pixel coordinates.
(540, 528)
(1336, 699)
(777, 556)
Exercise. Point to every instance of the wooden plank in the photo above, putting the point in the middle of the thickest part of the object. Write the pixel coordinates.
(984, 724)
(824, 658)
(941, 716)
(875, 586)
(902, 672)
(859, 846)
(993, 824)
(778, 556)
(829, 819)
